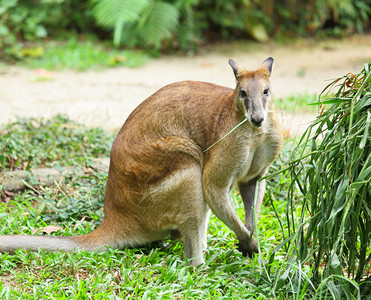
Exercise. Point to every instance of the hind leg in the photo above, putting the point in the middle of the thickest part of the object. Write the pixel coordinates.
(178, 203)
(187, 209)
(194, 232)
(204, 227)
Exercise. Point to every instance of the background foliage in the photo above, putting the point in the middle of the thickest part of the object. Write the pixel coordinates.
(184, 24)
(24, 21)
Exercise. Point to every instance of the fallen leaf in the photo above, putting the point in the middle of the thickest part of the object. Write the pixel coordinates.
(42, 75)
(6, 196)
(48, 229)
(117, 59)
(207, 64)
(42, 72)
(287, 134)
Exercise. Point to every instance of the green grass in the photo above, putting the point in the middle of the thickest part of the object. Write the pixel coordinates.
(30, 143)
(155, 271)
(78, 54)
(297, 103)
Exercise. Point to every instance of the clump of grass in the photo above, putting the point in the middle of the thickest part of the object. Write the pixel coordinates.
(332, 169)
(30, 143)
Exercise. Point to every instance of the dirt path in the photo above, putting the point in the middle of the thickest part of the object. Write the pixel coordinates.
(106, 98)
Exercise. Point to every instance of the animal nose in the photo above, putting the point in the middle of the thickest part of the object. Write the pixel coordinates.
(257, 121)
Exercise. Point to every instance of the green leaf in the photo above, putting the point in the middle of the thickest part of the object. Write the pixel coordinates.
(109, 12)
(364, 175)
(162, 20)
(41, 31)
(4, 31)
(5, 4)
(118, 32)
(335, 264)
(366, 136)
(364, 102)
(259, 33)
(330, 101)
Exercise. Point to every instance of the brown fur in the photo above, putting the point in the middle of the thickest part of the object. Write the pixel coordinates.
(160, 179)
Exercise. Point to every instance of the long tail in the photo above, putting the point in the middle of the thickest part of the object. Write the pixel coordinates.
(100, 239)
(10, 243)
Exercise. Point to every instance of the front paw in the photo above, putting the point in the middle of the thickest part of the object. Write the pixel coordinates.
(248, 247)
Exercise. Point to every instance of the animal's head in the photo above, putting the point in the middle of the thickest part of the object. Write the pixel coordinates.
(253, 93)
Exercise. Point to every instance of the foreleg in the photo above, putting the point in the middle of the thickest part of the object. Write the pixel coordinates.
(221, 205)
(248, 191)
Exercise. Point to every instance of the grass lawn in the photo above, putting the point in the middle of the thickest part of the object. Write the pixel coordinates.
(156, 271)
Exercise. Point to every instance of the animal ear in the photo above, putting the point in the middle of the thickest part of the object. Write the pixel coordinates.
(237, 70)
(268, 64)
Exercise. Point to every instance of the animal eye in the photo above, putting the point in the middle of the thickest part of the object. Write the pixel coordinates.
(266, 92)
(243, 94)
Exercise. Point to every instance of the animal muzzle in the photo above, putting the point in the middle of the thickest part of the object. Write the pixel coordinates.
(257, 120)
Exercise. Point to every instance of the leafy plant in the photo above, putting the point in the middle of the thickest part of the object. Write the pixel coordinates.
(143, 22)
(116, 14)
(340, 15)
(30, 143)
(24, 21)
(332, 169)
(20, 21)
(81, 198)
(236, 17)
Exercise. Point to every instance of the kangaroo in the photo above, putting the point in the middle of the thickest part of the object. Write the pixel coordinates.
(164, 177)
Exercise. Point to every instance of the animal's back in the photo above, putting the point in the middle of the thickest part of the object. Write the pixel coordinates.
(186, 108)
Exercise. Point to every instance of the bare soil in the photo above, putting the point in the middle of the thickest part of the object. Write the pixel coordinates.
(105, 98)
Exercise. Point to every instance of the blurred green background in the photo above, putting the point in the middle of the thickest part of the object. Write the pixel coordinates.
(169, 25)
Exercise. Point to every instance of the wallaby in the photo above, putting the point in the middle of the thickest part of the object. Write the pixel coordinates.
(161, 179)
